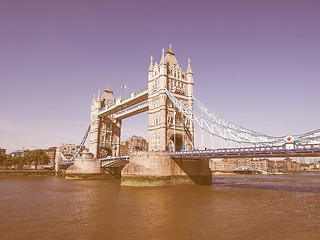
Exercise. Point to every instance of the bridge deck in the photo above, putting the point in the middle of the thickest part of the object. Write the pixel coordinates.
(310, 150)
(132, 111)
(134, 99)
(112, 162)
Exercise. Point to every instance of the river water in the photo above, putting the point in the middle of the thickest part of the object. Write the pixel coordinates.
(233, 207)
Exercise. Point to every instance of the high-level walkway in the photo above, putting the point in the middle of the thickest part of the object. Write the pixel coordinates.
(128, 104)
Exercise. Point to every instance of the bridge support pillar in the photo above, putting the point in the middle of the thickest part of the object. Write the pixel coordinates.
(117, 137)
(159, 169)
(57, 160)
(86, 168)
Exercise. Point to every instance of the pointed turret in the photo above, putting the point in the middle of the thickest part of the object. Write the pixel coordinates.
(170, 58)
(189, 69)
(189, 73)
(162, 57)
(107, 98)
(170, 50)
(108, 91)
(99, 98)
(162, 65)
(151, 65)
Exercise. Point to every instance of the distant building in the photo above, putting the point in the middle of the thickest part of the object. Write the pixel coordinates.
(51, 153)
(229, 164)
(124, 148)
(294, 166)
(133, 144)
(137, 143)
(237, 162)
(19, 153)
(69, 149)
(285, 165)
(272, 166)
(3, 151)
(259, 164)
(221, 166)
(306, 166)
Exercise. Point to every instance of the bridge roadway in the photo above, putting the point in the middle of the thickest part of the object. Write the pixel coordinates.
(287, 150)
(143, 107)
(110, 162)
(120, 105)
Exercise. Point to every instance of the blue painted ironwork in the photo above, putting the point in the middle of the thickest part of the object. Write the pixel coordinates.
(286, 150)
(219, 127)
(68, 162)
(111, 162)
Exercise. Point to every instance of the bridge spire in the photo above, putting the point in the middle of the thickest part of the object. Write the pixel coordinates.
(170, 50)
(189, 69)
(107, 90)
(162, 57)
(189, 73)
(151, 64)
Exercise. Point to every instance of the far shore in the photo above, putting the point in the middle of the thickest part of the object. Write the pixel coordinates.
(44, 172)
(269, 173)
(33, 172)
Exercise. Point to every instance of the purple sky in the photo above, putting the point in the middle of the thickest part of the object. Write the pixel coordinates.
(257, 63)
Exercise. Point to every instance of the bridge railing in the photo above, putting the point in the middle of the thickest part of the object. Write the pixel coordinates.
(66, 161)
(132, 96)
(141, 92)
(308, 148)
(110, 162)
(111, 158)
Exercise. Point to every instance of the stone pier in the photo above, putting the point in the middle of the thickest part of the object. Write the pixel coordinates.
(86, 168)
(159, 169)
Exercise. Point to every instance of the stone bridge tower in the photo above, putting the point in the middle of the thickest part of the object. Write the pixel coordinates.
(168, 129)
(105, 131)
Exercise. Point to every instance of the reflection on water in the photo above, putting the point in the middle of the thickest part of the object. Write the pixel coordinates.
(234, 207)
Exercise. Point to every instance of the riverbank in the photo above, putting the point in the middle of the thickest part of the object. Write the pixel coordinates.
(267, 173)
(42, 172)
(6, 173)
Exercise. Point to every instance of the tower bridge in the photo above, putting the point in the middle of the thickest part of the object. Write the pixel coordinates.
(173, 113)
(167, 128)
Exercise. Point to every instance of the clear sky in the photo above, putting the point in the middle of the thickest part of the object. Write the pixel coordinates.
(255, 62)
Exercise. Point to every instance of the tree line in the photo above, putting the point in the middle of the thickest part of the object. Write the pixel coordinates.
(35, 157)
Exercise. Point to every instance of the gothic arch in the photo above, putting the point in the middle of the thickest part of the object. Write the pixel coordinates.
(177, 141)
